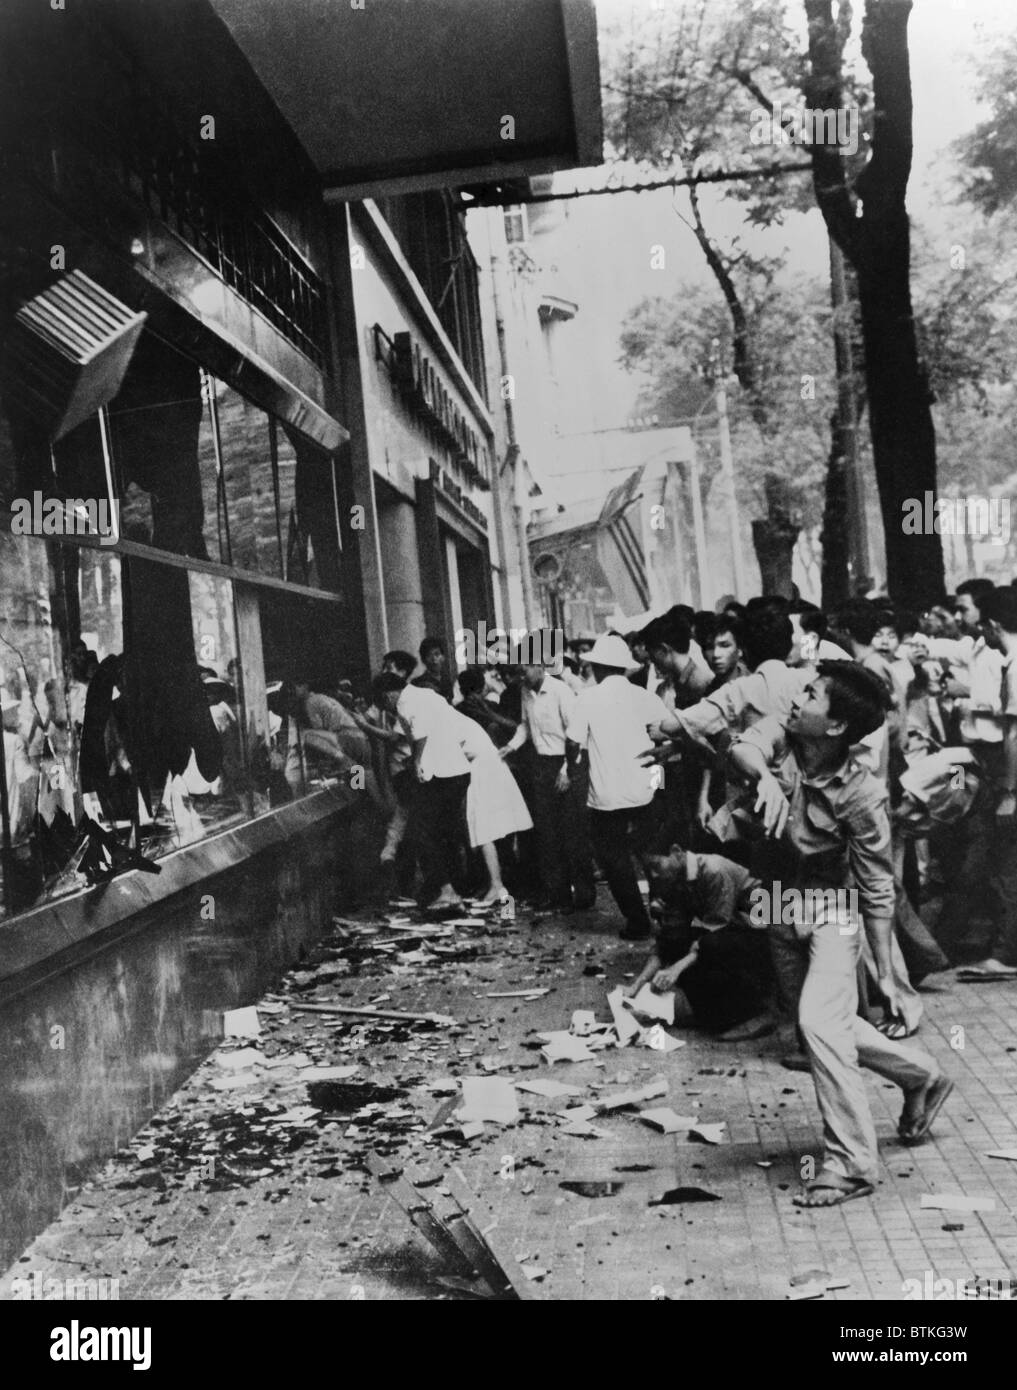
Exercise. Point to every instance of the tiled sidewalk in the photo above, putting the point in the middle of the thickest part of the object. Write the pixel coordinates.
(313, 1226)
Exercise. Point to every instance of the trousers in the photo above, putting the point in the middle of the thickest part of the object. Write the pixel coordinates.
(563, 840)
(820, 971)
(616, 836)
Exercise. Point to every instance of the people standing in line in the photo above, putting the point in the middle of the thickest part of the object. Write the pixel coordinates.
(559, 811)
(610, 730)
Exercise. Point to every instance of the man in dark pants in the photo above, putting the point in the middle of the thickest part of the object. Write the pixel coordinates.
(559, 817)
(442, 776)
(611, 728)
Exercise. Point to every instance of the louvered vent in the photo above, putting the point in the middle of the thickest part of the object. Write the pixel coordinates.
(68, 352)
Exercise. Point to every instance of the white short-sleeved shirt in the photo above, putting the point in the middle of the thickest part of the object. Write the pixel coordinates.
(611, 721)
(426, 714)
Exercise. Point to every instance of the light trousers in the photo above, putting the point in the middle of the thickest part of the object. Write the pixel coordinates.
(819, 971)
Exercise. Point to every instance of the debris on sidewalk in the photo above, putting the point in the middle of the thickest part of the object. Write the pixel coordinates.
(657, 1087)
(550, 1090)
(666, 1120)
(943, 1201)
(241, 1023)
(1003, 1153)
(563, 1047)
(676, 1196)
(649, 1004)
(489, 1098)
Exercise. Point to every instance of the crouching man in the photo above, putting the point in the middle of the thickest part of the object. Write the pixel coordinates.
(827, 821)
(707, 949)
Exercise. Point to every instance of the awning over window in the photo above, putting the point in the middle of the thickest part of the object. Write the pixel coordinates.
(403, 94)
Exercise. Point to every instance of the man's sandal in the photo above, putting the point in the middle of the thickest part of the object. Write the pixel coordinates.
(936, 1096)
(895, 1029)
(846, 1190)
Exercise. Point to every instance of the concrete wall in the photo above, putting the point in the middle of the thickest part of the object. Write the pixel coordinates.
(91, 1049)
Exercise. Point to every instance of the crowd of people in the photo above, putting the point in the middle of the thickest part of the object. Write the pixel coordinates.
(802, 813)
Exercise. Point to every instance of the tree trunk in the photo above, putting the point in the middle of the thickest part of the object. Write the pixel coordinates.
(835, 581)
(878, 245)
(773, 539)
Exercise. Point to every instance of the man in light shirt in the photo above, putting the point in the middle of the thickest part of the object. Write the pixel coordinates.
(992, 844)
(559, 816)
(611, 728)
(441, 778)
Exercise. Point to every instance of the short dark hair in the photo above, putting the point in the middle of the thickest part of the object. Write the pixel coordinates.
(887, 617)
(999, 606)
(673, 630)
(768, 636)
(471, 681)
(860, 621)
(975, 587)
(812, 619)
(704, 625)
(857, 696)
(405, 661)
(385, 684)
(768, 603)
(429, 645)
(730, 625)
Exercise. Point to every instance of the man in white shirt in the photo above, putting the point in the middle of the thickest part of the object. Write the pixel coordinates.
(992, 839)
(614, 723)
(559, 809)
(441, 778)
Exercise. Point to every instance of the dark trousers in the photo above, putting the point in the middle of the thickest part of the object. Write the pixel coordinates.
(989, 862)
(563, 842)
(438, 829)
(616, 836)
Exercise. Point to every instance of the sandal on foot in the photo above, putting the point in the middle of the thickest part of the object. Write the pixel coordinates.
(894, 1028)
(935, 1098)
(847, 1189)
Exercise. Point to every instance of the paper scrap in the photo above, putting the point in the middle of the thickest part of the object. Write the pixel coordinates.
(710, 1134)
(1003, 1153)
(563, 1047)
(550, 1089)
(241, 1023)
(584, 1021)
(649, 1004)
(518, 994)
(534, 1272)
(666, 1120)
(944, 1201)
(330, 1073)
(488, 1098)
(660, 1041)
(652, 1089)
(626, 1025)
(579, 1113)
(237, 1061)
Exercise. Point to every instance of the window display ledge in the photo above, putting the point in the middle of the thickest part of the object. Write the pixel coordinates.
(48, 938)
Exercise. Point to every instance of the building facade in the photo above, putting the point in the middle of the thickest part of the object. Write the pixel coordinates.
(245, 443)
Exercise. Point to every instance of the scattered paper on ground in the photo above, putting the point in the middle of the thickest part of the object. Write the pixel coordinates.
(584, 1021)
(1003, 1153)
(488, 1098)
(624, 1022)
(942, 1201)
(563, 1047)
(649, 1004)
(652, 1089)
(518, 994)
(710, 1134)
(241, 1023)
(550, 1089)
(666, 1120)
(237, 1061)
